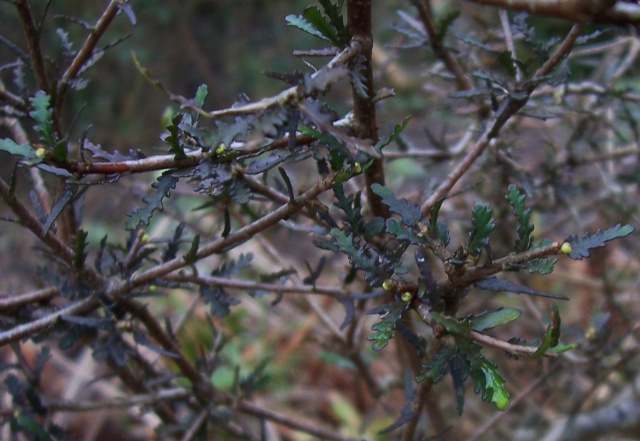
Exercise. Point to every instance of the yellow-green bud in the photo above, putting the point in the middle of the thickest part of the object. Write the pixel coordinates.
(406, 296)
(565, 248)
(41, 152)
(220, 149)
(357, 168)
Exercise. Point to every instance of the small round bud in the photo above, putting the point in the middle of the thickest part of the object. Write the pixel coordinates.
(220, 149)
(357, 168)
(406, 296)
(565, 248)
(389, 284)
(41, 152)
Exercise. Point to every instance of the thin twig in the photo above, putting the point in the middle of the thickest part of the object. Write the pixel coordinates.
(518, 350)
(86, 51)
(239, 236)
(508, 109)
(32, 36)
(12, 301)
(424, 11)
(508, 39)
(260, 286)
(294, 423)
(524, 393)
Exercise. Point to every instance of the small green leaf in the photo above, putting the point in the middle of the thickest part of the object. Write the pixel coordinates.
(201, 94)
(523, 216)
(494, 384)
(483, 224)
(489, 320)
(303, 24)
(580, 246)
(552, 335)
(24, 150)
(396, 228)
(397, 130)
(42, 114)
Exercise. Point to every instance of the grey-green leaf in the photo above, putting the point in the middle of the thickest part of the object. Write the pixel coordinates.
(489, 320)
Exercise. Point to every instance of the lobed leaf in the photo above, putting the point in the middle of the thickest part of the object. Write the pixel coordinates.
(153, 201)
(410, 213)
(300, 22)
(42, 114)
(318, 21)
(24, 150)
(482, 225)
(218, 300)
(580, 246)
(523, 215)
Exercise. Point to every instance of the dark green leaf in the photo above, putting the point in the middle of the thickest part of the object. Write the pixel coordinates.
(506, 62)
(397, 130)
(459, 371)
(79, 247)
(173, 137)
(172, 247)
(141, 338)
(67, 195)
(333, 12)
(580, 246)
(523, 215)
(541, 266)
(407, 413)
(552, 335)
(489, 320)
(410, 213)
(433, 219)
(483, 225)
(192, 255)
(374, 226)
(396, 228)
(287, 181)
(218, 299)
(452, 325)
(492, 283)
(319, 22)
(435, 369)
(153, 201)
